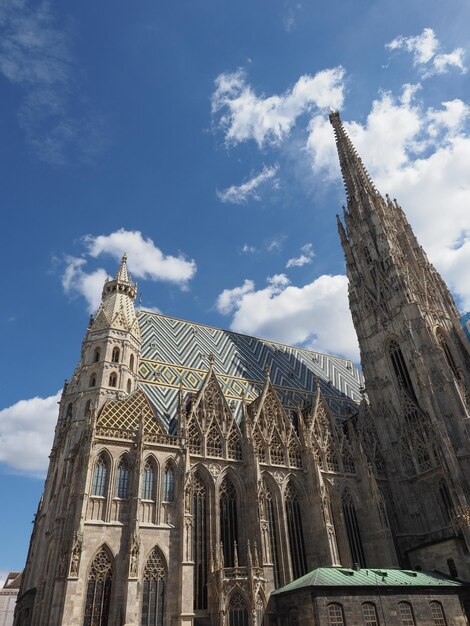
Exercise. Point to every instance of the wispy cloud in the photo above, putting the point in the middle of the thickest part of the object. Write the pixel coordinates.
(239, 194)
(242, 115)
(145, 261)
(425, 49)
(304, 258)
(36, 56)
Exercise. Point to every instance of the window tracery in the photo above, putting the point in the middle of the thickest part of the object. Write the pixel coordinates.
(214, 443)
(295, 531)
(194, 439)
(148, 481)
(122, 479)
(234, 446)
(276, 450)
(98, 594)
(273, 533)
(200, 542)
(153, 592)
(100, 477)
(228, 520)
(237, 610)
(295, 458)
(169, 483)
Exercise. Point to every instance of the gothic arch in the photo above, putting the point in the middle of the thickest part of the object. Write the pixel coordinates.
(237, 607)
(150, 461)
(169, 476)
(105, 455)
(100, 574)
(296, 527)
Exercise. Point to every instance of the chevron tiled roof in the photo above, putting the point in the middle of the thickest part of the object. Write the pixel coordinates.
(176, 352)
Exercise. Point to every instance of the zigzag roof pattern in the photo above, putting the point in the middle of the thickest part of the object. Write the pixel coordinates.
(175, 354)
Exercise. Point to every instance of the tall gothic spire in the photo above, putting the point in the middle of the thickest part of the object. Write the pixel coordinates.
(355, 176)
(121, 283)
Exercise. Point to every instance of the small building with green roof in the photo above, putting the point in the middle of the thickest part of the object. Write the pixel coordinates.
(340, 596)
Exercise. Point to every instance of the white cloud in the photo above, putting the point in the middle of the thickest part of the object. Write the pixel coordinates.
(228, 299)
(305, 257)
(424, 49)
(316, 315)
(248, 249)
(269, 119)
(76, 281)
(144, 259)
(422, 157)
(35, 56)
(238, 194)
(26, 434)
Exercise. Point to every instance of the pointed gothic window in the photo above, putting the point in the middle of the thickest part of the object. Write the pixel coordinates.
(276, 451)
(194, 439)
(96, 355)
(447, 353)
(98, 593)
(234, 446)
(122, 479)
(113, 380)
(200, 542)
(446, 505)
(100, 477)
(153, 591)
(214, 442)
(400, 369)
(115, 355)
(259, 447)
(331, 459)
(169, 483)
(237, 610)
(273, 535)
(352, 530)
(369, 613)
(92, 382)
(228, 520)
(406, 614)
(131, 363)
(437, 614)
(335, 614)
(296, 535)
(88, 408)
(295, 458)
(148, 481)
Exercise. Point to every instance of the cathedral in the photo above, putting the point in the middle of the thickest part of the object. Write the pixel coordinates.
(195, 471)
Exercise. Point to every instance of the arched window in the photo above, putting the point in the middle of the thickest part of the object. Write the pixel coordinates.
(122, 479)
(228, 520)
(100, 477)
(98, 593)
(115, 355)
(400, 369)
(447, 353)
(153, 593)
(148, 481)
(194, 439)
(335, 614)
(293, 617)
(169, 483)
(296, 535)
(369, 613)
(237, 610)
(96, 355)
(406, 614)
(92, 382)
(331, 458)
(352, 529)
(214, 442)
(88, 408)
(129, 385)
(234, 446)
(69, 412)
(276, 451)
(273, 536)
(259, 447)
(295, 458)
(445, 502)
(131, 363)
(200, 542)
(437, 613)
(113, 380)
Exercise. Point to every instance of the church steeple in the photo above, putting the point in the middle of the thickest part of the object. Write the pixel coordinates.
(121, 283)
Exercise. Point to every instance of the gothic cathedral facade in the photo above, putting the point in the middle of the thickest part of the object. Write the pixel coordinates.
(194, 470)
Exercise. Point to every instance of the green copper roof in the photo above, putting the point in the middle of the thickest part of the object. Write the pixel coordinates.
(344, 577)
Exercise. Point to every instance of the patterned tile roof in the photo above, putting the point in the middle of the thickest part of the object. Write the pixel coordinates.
(125, 414)
(345, 577)
(176, 352)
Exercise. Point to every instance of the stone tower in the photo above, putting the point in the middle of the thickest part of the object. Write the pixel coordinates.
(416, 368)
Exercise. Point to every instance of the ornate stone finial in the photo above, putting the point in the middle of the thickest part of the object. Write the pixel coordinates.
(267, 372)
(235, 554)
(211, 360)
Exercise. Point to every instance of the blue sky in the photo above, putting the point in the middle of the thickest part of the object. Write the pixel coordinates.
(194, 136)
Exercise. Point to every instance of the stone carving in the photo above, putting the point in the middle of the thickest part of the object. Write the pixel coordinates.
(76, 553)
(134, 555)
